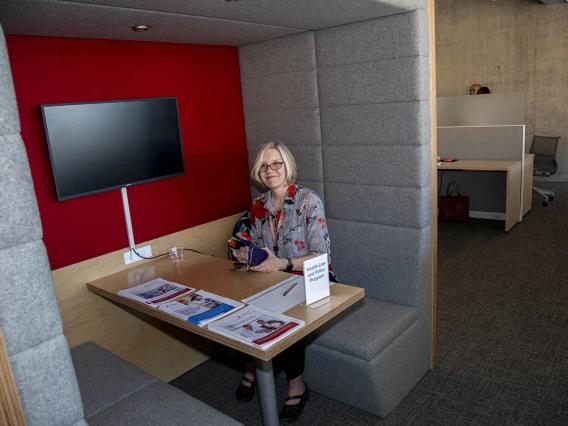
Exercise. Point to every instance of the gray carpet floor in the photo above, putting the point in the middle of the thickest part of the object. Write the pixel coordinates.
(502, 334)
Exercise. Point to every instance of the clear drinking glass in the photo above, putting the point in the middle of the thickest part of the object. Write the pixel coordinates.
(176, 253)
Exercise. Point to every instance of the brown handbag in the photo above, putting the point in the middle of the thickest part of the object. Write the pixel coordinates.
(453, 205)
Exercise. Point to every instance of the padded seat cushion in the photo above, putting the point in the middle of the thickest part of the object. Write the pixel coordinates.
(364, 330)
(105, 378)
(161, 404)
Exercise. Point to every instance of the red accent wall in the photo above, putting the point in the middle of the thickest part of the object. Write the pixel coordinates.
(206, 82)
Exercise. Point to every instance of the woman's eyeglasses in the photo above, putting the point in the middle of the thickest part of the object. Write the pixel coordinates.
(277, 165)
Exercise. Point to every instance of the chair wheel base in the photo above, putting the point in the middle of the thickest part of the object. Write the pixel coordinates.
(545, 204)
(550, 198)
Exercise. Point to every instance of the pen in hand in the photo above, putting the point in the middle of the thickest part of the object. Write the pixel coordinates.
(290, 289)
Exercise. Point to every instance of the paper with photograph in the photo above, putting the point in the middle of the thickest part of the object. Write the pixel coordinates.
(201, 307)
(257, 326)
(155, 292)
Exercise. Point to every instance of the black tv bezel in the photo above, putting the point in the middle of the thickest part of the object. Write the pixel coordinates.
(98, 191)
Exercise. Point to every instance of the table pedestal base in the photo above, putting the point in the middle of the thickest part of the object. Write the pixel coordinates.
(266, 392)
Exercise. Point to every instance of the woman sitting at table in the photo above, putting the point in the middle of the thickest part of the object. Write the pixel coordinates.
(288, 222)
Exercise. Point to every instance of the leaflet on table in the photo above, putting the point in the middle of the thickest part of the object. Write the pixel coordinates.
(201, 307)
(256, 326)
(156, 291)
(280, 297)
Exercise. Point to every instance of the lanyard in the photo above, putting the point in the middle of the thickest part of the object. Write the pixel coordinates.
(275, 233)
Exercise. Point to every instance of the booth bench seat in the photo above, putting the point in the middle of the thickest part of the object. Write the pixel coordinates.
(370, 357)
(367, 330)
(116, 392)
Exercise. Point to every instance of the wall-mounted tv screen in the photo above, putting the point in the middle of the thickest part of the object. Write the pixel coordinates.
(100, 146)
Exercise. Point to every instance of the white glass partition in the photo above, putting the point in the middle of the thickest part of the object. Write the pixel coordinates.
(481, 110)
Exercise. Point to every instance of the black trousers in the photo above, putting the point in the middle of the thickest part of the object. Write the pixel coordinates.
(292, 360)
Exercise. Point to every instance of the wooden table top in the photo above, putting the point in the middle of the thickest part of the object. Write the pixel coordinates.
(487, 165)
(482, 165)
(213, 274)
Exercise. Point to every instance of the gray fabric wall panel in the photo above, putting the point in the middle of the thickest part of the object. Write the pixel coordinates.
(378, 165)
(9, 118)
(390, 262)
(18, 209)
(25, 277)
(309, 162)
(386, 205)
(293, 127)
(379, 124)
(278, 56)
(280, 91)
(47, 384)
(254, 193)
(395, 80)
(317, 187)
(391, 37)
(280, 101)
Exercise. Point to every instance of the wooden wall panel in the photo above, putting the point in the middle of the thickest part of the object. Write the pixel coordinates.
(433, 176)
(11, 412)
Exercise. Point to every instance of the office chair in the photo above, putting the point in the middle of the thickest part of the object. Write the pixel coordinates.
(544, 150)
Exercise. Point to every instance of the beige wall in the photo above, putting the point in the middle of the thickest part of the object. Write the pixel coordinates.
(509, 46)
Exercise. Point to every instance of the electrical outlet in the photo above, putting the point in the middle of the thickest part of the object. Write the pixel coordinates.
(131, 257)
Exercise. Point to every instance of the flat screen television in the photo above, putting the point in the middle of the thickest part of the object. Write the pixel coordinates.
(100, 146)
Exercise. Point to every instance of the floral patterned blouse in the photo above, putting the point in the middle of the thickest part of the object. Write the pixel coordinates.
(302, 230)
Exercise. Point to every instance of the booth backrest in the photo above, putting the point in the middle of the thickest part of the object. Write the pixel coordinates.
(280, 101)
(352, 103)
(29, 315)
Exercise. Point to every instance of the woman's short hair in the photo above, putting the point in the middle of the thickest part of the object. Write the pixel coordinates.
(484, 91)
(287, 158)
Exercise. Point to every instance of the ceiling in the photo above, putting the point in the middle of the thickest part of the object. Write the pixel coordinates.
(217, 22)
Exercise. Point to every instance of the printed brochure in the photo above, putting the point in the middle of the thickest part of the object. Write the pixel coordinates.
(201, 307)
(155, 292)
(257, 326)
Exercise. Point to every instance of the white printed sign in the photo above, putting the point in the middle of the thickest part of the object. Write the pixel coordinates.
(316, 279)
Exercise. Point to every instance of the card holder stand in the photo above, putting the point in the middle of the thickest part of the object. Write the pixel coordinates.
(319, 303)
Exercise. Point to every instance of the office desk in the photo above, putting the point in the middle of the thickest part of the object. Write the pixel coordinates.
(213, 274)
(516, 180)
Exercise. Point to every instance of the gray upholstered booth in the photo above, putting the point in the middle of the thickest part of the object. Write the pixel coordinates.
(352, 103)
(56, 387)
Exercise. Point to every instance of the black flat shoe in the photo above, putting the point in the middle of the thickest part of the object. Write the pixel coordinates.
(245, 393)
(291, 413)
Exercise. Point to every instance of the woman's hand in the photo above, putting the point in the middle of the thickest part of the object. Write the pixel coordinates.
(271, 263)
(242, 254)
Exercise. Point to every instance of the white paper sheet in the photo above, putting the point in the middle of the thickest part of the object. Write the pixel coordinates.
(273, 298)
